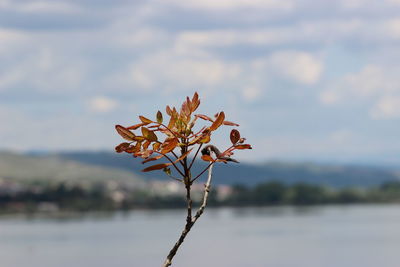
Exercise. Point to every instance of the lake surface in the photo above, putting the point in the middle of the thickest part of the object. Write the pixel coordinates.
(322, 236)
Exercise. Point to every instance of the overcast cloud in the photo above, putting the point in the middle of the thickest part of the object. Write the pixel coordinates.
(306, 80)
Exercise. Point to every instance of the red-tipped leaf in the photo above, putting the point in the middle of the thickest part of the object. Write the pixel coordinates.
(218, 121)
(244, 146)
(235, 136)
(125, 133)
(229, 123)
(145, 120)
(156, 167)
(207, 158)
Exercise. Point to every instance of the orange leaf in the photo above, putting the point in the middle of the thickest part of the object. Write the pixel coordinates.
(149, 135)
(169, 145)
(156, 167)
(121, 147)
(139, 138)
(218, 122)
(125, 133)
(156, 146)
(235, 136)
(132, 149)
(153, 158)
(172, 121)
(136, 126)
(168, 110)
(229, 123)
(245, 146)
(195, 102)
(204, 117)
(145, 144)
(183, 156)
(145, 120)
(207, 158)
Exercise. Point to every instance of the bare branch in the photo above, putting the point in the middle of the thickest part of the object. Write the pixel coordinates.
(203, 171)
(189, 224)
(195, 155)
(207, 188)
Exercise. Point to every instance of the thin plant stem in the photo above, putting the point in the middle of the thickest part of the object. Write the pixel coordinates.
(189, 223)
(195, 155)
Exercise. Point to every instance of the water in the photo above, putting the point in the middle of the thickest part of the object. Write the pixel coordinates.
(329, 236)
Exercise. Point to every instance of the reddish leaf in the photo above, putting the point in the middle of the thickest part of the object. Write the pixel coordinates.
(169, 145)
(172, 121)
(207, 158)
(229, 123)
(132, 149)
(138, 146)
(235, 136)
(146, 154)
(245, 146)
(188, 105)
(156, 167)
(195, 102)
(145, 144)
(156, 146)
(218, 122)
(121, 147)
(152, 159)
(136, 126)
(204, 117)
(125, 133)
(149, 135)
(183, 156)
(159, 117)
(168, 110)
(145, 120)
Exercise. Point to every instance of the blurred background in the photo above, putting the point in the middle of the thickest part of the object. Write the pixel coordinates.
(313, 85)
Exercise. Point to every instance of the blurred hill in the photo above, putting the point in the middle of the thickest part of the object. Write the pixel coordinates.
(252, 174)
(29, 168)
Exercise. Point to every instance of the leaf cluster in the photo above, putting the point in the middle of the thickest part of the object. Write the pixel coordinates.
(164, 136)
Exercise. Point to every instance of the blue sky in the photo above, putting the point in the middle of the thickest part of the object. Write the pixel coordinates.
(306, 80)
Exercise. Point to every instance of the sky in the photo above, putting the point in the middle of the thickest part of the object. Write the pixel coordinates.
(306, 80)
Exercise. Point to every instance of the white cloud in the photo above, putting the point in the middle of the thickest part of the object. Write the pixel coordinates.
(342, 137)
(392, 28)
(10, 39)
(387, 107)
(370, 82)
(251, 93)
(170, 69)
(297, 66)
(352, 4)
(102, 104)
(223, 38)
(139, 36)
(329, 97)
(321, 32)
(44, 70)
(233, 4)
(40, 6)
(302, 67)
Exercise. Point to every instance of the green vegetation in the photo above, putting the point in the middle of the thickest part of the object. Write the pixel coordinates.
(275, 193)
(107, 196)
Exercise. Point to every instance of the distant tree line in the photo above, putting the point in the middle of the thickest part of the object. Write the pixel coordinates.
(276, 193)
(98, 197)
